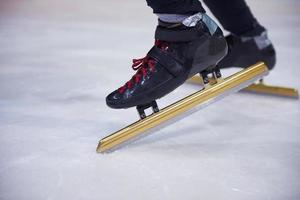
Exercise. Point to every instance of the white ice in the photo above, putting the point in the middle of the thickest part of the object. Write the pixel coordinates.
(58, 61)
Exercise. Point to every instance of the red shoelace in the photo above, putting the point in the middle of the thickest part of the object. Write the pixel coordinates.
(142, 65)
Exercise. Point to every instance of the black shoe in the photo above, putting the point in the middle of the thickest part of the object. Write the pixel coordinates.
(179, 53)
(248, 49)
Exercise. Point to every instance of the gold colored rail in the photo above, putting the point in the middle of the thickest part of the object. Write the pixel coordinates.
(272, 90)
(230, 84)
(260, 88)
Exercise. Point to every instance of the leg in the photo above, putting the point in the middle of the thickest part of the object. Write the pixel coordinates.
(184, 7)
(248, 42)
(234, 15)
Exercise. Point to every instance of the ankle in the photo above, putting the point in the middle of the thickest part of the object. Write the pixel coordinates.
(172, 18)
(191, 28)
(254, 31)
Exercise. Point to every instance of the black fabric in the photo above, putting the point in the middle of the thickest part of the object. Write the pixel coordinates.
(234, 15)
(244, 53)
(178, 35)
(166, 61)
(187, 7)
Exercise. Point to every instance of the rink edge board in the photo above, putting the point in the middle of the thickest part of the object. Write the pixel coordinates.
(232, 83)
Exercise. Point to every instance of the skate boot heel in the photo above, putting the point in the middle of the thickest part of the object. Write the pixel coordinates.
(141, 109)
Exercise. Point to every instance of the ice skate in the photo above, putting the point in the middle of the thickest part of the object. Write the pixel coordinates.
(215, 89)
(181, 50)
(250, 48)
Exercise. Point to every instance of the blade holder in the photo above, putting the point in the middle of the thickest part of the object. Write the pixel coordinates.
(141, 109)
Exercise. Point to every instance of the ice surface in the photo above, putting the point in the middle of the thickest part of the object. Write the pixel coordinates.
(59, 59)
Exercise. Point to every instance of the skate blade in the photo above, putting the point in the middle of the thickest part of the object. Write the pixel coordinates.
(260, 88)
(184, 107)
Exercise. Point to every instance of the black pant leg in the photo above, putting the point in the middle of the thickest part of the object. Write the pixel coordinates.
(234, 15)
(187, 7)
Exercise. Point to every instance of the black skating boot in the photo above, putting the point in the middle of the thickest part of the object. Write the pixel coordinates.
(249, 48)
(180, 51)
